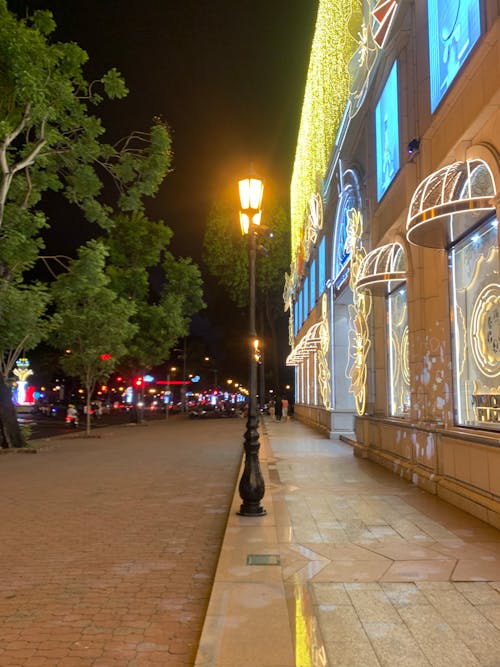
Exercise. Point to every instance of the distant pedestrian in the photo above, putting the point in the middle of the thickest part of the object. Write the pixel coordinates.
(278, 408)
(284, 403)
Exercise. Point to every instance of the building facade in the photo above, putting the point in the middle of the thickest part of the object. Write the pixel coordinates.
(394, 288)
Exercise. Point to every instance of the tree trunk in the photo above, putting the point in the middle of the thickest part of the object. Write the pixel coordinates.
(88, 419)
(9, 427)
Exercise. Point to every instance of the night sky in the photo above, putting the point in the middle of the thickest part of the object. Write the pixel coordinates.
(227, 76)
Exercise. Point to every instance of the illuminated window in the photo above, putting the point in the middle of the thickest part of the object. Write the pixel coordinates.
(454, 28)
(475, 286)
(387, 133)
(312, 276)
(350, 200)
(342, 254)
(306, 298)
(295, 318)
(397, 339)
(322, 266)
(301, 308)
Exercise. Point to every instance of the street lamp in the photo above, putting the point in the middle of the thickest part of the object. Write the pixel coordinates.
(251, 486)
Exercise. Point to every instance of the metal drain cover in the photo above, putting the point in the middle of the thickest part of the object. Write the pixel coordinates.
(263, 559)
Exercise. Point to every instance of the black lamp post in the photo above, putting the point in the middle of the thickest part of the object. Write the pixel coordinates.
(251, 486)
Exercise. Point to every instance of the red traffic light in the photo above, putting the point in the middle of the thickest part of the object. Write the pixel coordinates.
(105, 357)
(138, 382)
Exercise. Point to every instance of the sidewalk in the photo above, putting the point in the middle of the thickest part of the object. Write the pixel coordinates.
(361, 569)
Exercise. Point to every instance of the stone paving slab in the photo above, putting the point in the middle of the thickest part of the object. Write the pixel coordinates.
(373, 571)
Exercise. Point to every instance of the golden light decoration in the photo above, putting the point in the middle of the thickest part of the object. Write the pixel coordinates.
(405, 356)
(316, 340)
(326, 94)
(313, 226)
(22, 370)
(359, 310)
(324, 374)
(485, 330)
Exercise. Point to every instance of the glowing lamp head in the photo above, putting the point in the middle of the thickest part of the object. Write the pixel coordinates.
(251, 191)
(246, 220)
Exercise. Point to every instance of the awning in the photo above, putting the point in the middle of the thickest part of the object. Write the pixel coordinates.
(307, 344)
(449, 202)
(382, 268)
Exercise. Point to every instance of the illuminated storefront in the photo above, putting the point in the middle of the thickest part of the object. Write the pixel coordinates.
(394, 286)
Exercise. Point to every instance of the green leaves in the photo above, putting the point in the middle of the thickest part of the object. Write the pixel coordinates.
(138, 247)
(22, 317)
(114, 84)
(90, 318)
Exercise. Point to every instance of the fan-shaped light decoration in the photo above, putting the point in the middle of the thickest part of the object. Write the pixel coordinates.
(449, 202)
(382, 267)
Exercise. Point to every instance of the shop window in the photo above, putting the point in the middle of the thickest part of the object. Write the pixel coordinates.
(454, 28)
(306, 298)
(399, 368)
(312, 276)
(475, 285)
(387, 133)
(322, 266)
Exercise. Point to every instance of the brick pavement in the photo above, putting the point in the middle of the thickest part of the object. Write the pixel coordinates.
(109, 545)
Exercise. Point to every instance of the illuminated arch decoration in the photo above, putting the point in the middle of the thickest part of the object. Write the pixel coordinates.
(359, 310)
(350, 199)
(449, 202)
(317, 339)
(485, 330)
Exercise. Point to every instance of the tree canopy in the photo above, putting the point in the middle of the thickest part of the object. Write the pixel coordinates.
(165, 289)
(91, 323)
(225, 252)
(51, 139)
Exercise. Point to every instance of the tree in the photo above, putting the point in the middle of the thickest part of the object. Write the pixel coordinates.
(138, 248)
(91, 321)
(225, 252)
(51, 140)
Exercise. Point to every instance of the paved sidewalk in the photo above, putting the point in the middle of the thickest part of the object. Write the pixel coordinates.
(109, 545)
(362, 569)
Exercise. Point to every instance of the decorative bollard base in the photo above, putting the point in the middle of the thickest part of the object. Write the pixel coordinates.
(251, 510)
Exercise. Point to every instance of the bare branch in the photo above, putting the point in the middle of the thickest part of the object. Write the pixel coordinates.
(58, 259)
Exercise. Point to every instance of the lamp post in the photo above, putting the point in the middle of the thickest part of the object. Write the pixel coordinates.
(251, 485)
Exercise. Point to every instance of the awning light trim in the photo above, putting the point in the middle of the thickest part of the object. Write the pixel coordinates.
(381, 267)
(307, 344)
(449, 202)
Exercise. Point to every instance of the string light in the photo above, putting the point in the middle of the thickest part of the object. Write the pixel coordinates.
(326, 94)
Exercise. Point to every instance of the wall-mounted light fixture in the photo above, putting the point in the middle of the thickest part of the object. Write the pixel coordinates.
(413, 147)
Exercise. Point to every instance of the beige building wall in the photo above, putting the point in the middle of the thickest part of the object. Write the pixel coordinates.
(460, 464)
